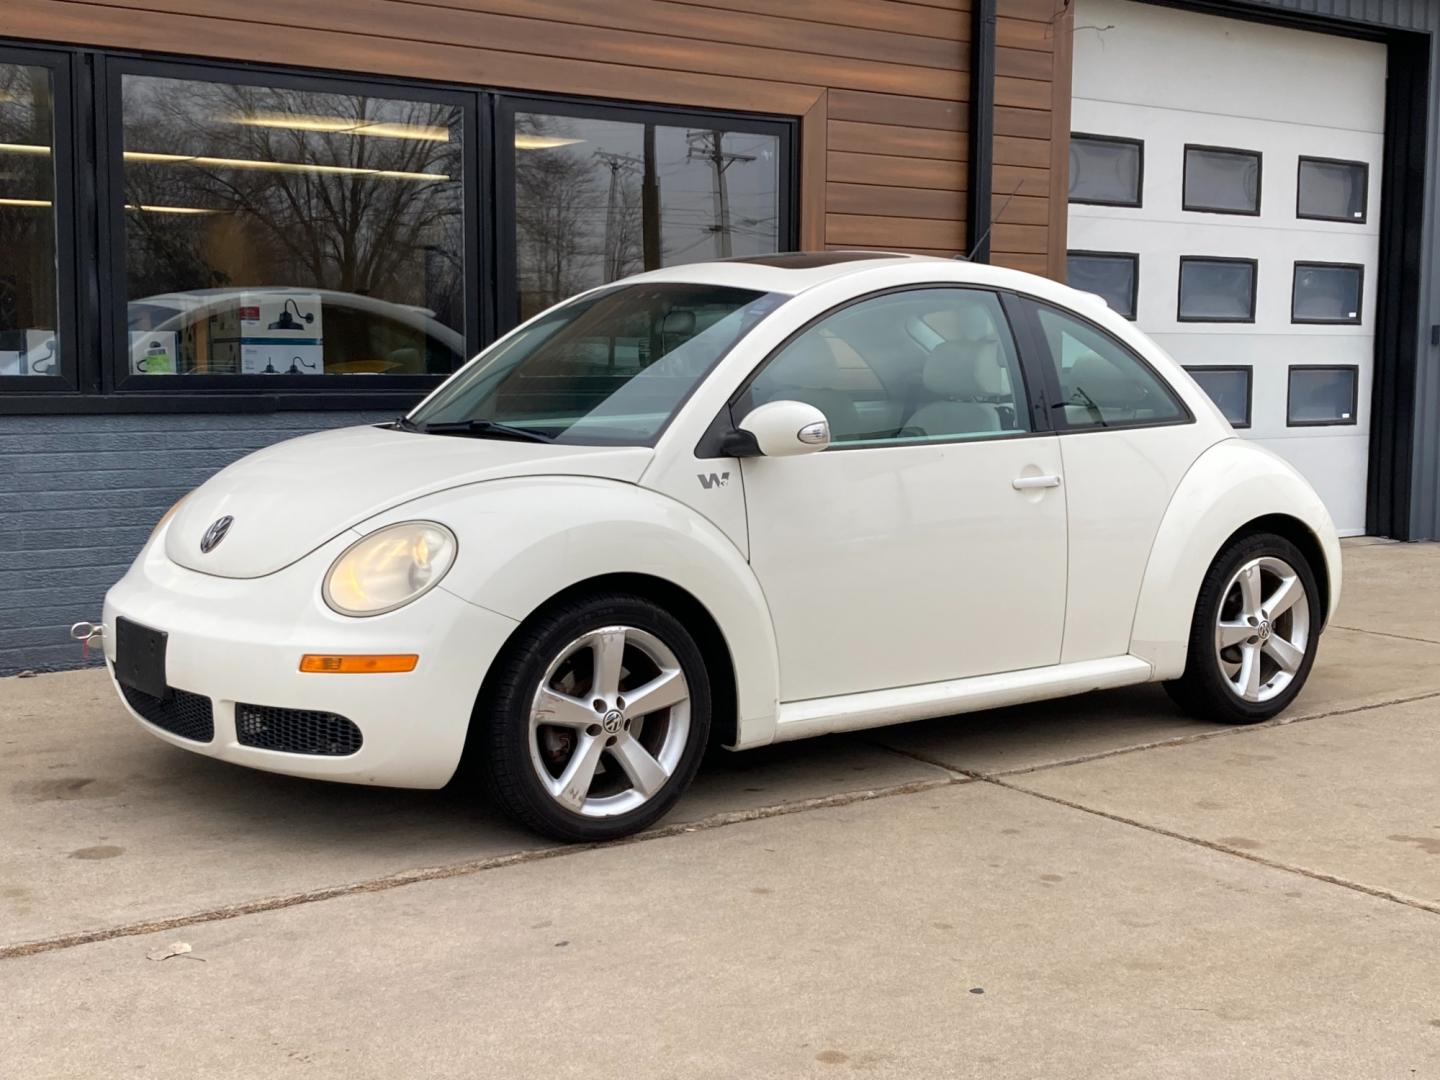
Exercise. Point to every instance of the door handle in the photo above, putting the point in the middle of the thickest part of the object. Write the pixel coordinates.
(1029, 483)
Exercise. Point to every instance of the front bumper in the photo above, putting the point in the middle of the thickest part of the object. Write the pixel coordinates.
(235, 640)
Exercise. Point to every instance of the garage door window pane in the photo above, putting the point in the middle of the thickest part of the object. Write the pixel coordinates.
(1333, 190)
(1222, 181)
(1105, 171)
(28, 294)
(1217, 290)
(597, 199)
(1327, 294)
(1322, 395)
(1112, 276)
(1229, 389)
(1102, 383)
(275, 231)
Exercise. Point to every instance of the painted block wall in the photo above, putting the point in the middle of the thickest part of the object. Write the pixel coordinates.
(80, 494)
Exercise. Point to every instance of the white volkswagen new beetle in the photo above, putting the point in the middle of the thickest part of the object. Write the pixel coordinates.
(735, 502)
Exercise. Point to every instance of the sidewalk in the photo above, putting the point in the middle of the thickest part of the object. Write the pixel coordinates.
(1095, 887)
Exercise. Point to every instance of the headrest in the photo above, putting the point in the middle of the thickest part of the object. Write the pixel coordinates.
(967, 369)
(950, 370)
(975, 324)
(809, 363)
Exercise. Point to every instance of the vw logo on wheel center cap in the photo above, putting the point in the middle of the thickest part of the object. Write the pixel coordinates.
(612, 721)
(1263, 630)
(215, 534)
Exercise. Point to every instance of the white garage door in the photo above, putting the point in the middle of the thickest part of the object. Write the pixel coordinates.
(1225, 193)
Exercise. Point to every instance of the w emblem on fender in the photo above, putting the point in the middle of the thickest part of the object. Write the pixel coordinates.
(713, 480)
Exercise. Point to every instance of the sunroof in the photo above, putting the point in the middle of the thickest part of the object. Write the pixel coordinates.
(809, 260)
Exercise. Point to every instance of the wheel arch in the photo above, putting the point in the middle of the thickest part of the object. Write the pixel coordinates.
(678, 601)
(1234, 489)
(527, 543)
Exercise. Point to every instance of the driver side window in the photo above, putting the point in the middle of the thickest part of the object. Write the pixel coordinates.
(922, 365)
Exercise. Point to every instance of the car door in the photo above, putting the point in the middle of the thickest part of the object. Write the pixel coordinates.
(928, 542)
(1126, 440)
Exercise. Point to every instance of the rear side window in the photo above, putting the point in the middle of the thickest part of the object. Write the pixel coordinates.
(1102, 383)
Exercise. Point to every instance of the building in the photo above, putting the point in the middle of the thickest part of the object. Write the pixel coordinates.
(227, 223)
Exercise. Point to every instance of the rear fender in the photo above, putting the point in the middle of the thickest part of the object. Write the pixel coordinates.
(1231, 485)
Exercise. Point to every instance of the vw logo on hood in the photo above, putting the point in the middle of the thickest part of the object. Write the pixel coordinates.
(215, 534)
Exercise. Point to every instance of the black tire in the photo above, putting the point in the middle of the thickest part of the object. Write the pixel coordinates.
(1203, 690)
(500, 727)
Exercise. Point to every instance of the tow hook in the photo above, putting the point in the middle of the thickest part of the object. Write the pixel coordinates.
(85, 633)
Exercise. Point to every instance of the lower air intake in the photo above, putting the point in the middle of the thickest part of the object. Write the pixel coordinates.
(295, 731)
(182, 713)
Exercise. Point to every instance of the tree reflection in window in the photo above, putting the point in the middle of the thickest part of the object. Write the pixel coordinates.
(244, 199)
(28, 293)
(598, 199)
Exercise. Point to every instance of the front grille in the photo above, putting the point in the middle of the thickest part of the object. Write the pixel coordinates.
(295, 731)
(182, 713)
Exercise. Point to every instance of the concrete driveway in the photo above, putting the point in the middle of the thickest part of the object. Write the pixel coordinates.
(1093, 887)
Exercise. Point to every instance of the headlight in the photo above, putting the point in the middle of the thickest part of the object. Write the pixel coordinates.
(389, 568)
(167, 516)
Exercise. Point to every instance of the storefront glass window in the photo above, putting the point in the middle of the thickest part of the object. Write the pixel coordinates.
(274, 231)
(597, 199)
(29, 340)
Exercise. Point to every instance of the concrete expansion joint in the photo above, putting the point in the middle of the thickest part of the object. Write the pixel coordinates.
(463, 869)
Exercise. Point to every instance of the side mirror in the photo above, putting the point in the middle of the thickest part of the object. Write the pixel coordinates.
(779, 429)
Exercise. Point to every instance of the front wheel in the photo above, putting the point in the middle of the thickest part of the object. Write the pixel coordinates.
(596, 716)
(1254, 634)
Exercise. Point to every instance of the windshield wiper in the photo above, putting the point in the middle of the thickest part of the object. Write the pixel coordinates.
(484, 429)
(404, 423)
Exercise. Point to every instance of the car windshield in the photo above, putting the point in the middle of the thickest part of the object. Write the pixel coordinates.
(609, 368)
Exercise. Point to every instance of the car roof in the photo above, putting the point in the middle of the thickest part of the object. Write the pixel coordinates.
(792, 273)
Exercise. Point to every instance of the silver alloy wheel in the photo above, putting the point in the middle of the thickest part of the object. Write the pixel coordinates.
(1263, 629)
(609, 721)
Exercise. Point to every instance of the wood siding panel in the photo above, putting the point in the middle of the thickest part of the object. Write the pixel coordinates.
(679, 19)
(1031, 145)
(898, 16)
(877, 200)
(897, 171)
(399, 22)
(894, 231)
(868, 108)
(879, 87)
(851, 137)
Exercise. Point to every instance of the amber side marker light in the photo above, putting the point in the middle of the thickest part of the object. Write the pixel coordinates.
(358, 665)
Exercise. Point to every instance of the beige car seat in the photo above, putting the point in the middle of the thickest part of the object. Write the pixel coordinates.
(961, 374)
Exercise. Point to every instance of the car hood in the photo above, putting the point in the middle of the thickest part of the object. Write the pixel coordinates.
(289, 499)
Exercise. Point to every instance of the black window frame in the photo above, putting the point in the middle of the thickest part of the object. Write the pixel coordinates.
(1185, 203)
(1134, 259)
(65, 211)
(1254, 265)
(1248, 370)
(1354, 370)
(1035, 354)
(1359, 269)
(90, 243)
(1139, 144)
(1364, 191)
(506, 105)
(116, 378)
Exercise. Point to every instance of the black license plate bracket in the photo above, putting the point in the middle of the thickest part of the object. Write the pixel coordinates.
(140, 658)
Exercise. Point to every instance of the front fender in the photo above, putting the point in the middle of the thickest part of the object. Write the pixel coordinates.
(1230, 485)
(522, 541)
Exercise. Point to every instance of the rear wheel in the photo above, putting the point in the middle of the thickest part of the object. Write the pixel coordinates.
(596, 717)
(1254, 633)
